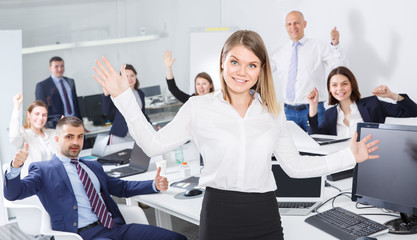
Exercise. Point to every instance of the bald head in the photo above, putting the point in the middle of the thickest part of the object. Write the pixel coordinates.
(295, 24)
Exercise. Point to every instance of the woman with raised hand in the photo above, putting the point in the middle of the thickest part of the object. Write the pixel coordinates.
(350, 108)
(202, 82)
(40, 139)
(236, 129)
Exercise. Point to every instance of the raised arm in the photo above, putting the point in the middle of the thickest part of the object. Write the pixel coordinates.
(405, 107)
(153, 143)
(15, 129)
(168, 61)
(334, 36)
(385, 92)
(313, 101)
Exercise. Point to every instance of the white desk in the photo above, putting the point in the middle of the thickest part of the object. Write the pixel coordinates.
(94, 130)
(166, 205)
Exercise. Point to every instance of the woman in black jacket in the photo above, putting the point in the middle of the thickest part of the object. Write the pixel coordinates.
(203, 82)
(350, 108)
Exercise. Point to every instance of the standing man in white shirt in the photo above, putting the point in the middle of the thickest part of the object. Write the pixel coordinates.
(301, 66)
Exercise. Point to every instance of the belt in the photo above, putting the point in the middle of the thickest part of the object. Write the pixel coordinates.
(296, 107)
(89, 226)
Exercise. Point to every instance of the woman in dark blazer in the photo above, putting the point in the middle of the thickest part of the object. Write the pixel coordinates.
(202, 82)
(119, 132)
(350, 108)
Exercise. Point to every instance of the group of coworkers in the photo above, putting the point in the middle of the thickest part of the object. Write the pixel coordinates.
(236, 129)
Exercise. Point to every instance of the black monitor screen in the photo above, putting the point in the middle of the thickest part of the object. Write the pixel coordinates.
(288, 187)
(151, 91)
(391, 181)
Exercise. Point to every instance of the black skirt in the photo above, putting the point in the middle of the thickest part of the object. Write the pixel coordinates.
(233, 215)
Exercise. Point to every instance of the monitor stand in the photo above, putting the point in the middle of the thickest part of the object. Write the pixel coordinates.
(403, 225)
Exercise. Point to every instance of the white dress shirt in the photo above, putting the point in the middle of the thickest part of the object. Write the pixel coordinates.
(314, 56)
(237, 151)
(355, 117)
(40, 149)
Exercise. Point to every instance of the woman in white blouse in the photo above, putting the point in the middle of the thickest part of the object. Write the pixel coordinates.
(350, 108)
(41, 140)
(236, 130)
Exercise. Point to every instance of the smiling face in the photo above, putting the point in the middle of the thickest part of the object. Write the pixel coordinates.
(131, 77)
(70, 140)
(37, 117)
(341, 88)
(241, 69)
(295, 24)
(202, 86)
(57, 68)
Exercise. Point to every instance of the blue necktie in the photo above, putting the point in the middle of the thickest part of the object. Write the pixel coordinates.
(292, 72)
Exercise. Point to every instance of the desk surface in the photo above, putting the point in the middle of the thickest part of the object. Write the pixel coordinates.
(189, 209)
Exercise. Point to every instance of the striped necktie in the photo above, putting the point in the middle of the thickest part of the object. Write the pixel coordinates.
(97, 205)
(292, 72)
(67, 102)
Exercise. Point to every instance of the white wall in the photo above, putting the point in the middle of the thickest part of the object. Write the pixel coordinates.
(377, 36)
(46, 22)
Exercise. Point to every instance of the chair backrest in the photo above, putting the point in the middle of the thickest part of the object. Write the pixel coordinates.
(133, 214)
(33, 219)
(28, 214)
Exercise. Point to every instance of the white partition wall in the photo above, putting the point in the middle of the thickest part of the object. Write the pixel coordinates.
(11, 81)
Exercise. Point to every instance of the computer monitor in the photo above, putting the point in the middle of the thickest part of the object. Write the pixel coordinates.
(151, 91)
(94, 111)
(390, 182)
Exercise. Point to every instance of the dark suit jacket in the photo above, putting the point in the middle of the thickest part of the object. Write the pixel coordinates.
(47, 92)
(119, 125)
(371, 110)
(50, 182)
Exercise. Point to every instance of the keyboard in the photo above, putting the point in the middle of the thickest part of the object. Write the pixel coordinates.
(295, 204)
(345, 225)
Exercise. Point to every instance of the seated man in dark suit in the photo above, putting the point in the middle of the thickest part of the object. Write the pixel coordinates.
(76, 193)
(58, 92)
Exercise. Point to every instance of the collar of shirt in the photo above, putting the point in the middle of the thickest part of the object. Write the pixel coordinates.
(355, 117)
(219, 94)
(302, 41)
(56, 80)
(63, 159)
(33, 134)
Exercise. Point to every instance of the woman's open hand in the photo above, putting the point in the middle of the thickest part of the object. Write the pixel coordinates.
(362, 150)
(109, 79)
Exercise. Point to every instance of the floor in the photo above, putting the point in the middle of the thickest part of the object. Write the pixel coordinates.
(12, 232)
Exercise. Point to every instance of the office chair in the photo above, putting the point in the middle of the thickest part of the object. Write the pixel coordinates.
(33, 219)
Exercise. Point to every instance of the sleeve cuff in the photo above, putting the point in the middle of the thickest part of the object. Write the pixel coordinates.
(154, 187)
(12, 172)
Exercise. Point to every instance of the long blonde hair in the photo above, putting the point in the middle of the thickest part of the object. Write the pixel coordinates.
(37, 103)
(265, 85)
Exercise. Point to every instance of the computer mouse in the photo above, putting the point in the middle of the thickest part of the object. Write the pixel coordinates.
(192, 192)
(366, 238)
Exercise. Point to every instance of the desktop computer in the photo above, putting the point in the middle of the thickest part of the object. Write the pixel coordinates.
(390, 182)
